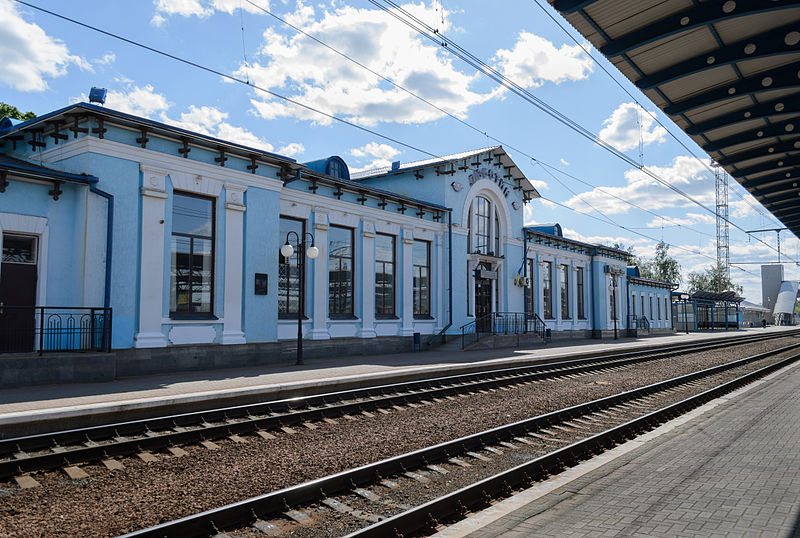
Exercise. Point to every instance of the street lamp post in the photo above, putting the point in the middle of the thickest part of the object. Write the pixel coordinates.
(613, 288)
(287, 250)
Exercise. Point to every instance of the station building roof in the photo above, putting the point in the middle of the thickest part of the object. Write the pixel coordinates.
(450, 162)
(726, 72)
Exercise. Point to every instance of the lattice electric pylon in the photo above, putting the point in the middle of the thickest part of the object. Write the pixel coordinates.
(723, 238)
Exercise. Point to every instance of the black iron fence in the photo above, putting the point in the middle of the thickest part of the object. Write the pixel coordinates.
(502, 323)
(25, 329)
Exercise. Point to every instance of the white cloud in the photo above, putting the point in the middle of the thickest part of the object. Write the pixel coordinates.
(304, 71)
(604, 239)
(691, 218)
(30, 55)
(292, 149)
(564, 161)
(374, 149)
(106, 59)
(146, 102)
(686, 173)
(211, 121)
(627, 123)
(139, 101)
(199, 8)
(534, 60)
(375, 163)
(539, 184)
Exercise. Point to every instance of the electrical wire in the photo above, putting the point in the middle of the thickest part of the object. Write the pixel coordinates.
(448, 44)
(307, 107)
(653, 116)
(449, 114)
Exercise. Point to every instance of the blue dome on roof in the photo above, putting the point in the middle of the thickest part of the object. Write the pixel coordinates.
(551, 229)
(333, 166)
(9, 123)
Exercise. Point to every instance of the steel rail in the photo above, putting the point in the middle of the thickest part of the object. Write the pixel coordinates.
(455, 505)
(211, 522)
(153, 434)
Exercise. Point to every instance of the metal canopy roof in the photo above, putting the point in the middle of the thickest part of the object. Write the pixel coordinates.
(726, 72)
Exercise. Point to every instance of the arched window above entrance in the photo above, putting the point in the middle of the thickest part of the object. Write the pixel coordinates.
(483, 224)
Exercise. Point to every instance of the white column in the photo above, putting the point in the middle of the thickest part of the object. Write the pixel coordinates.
(319, 313)
(439, 284)
(367, 281)
(407, 328)
(234, 255)
(151, 270)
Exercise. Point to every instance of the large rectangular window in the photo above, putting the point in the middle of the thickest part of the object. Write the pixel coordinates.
(531, 304)
(564, 277)
(192, 255)
(289, 270)
(547, 290)
(651, 307)
(384, 275)
(340, 272)
(666, 308)
(643, 310)
(421, 256)
(658, 304)
(581, 293)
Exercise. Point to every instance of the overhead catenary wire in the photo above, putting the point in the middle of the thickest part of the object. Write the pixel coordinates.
(282, 97)
(703, 161)
(274, 94)
(443, 111)
(449, 45)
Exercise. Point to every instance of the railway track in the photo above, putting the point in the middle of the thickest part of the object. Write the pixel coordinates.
(67, 449)
(412, 494)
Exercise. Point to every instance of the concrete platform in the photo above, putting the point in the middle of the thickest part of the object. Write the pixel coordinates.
(47, 408)
(729, 468)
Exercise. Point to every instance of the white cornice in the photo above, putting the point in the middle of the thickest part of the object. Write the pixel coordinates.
(155, 159)
(365, 212)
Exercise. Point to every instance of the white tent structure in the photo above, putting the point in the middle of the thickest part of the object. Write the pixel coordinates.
(784, 304)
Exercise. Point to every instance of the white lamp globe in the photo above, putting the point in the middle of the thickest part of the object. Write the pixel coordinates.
(287, 250)
(312, 252)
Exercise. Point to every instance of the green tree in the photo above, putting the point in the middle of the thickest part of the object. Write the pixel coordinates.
(662, 266)
(10, 111)
(712, 279)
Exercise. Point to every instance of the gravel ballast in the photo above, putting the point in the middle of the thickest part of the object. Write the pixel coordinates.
(147, 493)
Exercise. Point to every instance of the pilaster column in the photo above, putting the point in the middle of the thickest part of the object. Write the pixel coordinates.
(151, 269)
(367, 281)
(319, 313)
(407, 328)
(234, 255)
(439, 284)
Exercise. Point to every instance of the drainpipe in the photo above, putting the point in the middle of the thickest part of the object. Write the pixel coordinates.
(628, 301)
(109, 241)
(450, 264)
(591, 285)
(525, 275)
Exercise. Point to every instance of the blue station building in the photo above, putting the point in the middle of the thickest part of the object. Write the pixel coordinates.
(125, 233)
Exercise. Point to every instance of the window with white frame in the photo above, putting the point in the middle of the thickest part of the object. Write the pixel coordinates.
(564, 284)
(192, 255)
(580, 292)
(547, 289)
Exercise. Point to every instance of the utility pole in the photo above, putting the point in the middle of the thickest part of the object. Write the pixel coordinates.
(778, 232)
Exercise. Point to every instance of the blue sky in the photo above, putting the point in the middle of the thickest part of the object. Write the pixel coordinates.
(49, 63)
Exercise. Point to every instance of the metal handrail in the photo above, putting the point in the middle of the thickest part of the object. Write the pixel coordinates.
(25, 329)
(502, 323)
(645, 323)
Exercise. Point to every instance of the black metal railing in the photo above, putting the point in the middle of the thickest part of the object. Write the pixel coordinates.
(26, 329)
(644, 324)
(501, 323)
